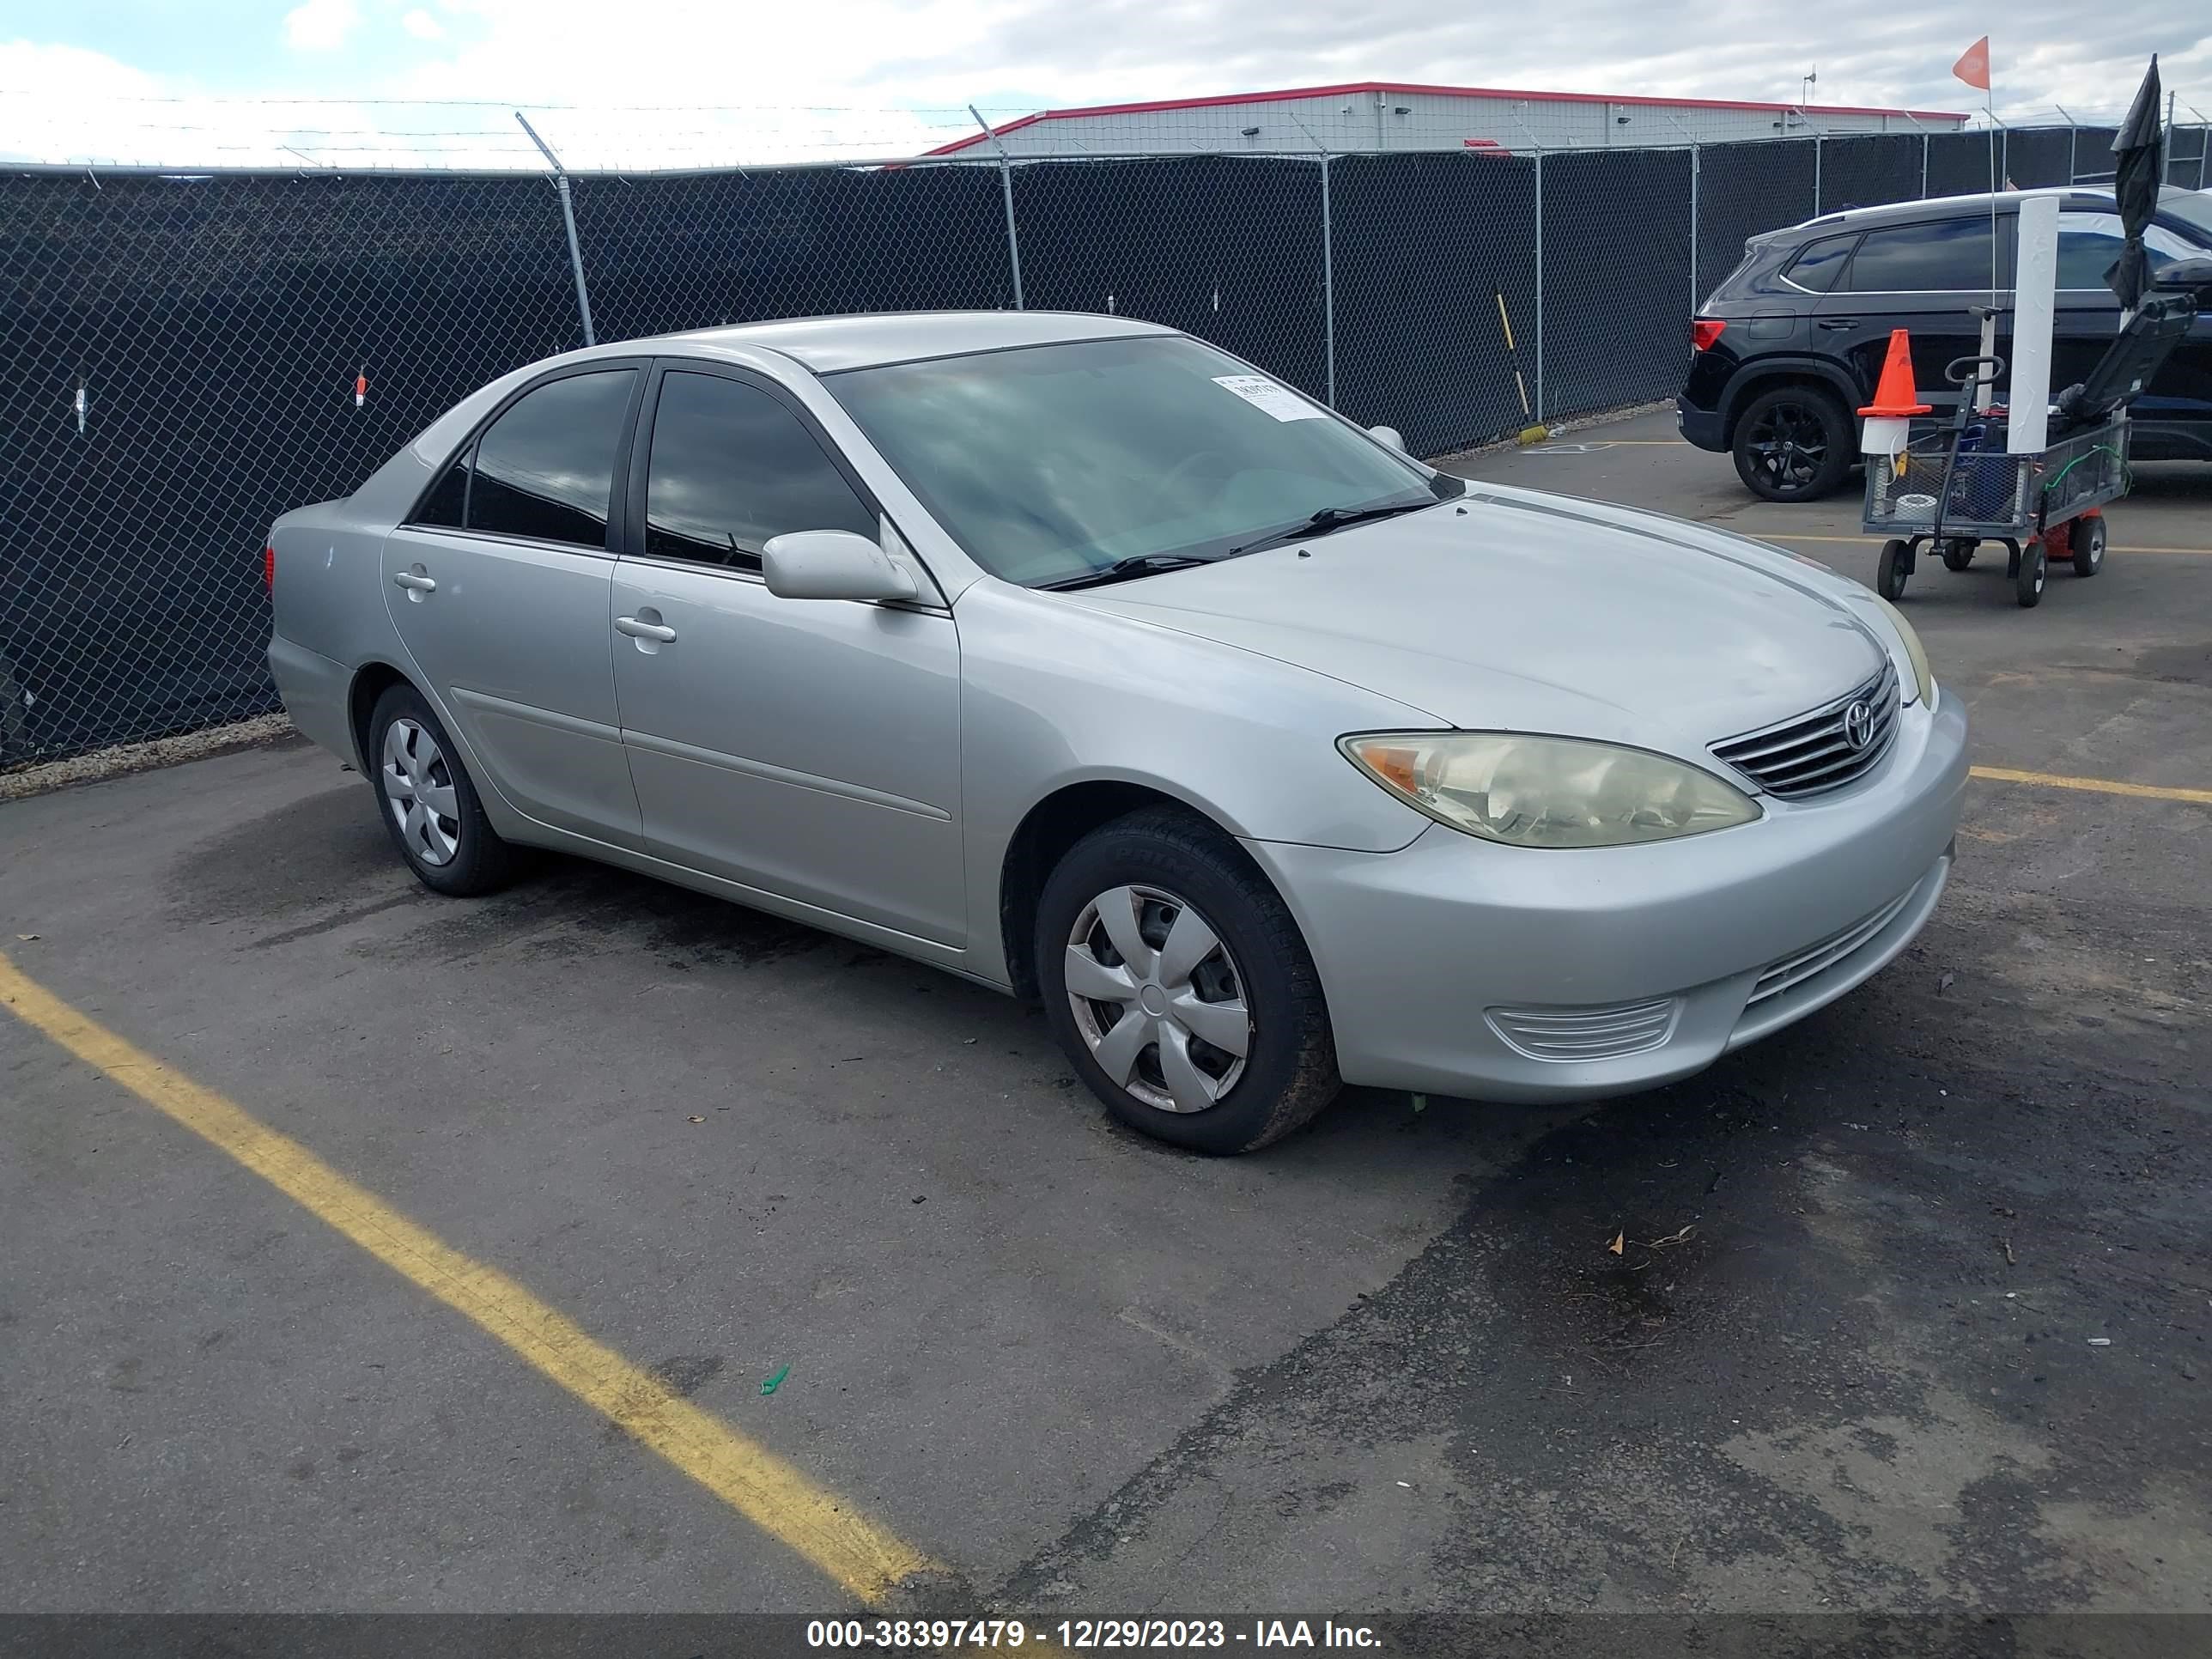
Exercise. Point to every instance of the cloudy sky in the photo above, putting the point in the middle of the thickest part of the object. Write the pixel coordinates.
(697, 82)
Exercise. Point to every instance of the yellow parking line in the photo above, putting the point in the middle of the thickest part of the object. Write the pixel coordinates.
(2097, 786)
(772, 1494)
(1764, 535)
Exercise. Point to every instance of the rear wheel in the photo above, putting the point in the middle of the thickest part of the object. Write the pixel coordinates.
(430, 806)
(1793, 444)
(1180, 987)
(2088, 545)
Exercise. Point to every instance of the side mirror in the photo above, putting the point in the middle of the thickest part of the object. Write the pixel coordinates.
(831, 564)
(1388, 436)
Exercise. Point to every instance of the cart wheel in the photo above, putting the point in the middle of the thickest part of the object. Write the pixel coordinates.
(2034, 565)
(1889, 576)
(2088, 545)
(1958, 553)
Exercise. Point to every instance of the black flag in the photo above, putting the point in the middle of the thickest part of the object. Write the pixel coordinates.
(2140, 145)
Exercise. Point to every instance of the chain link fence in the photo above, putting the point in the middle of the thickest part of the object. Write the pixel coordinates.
(186, 356)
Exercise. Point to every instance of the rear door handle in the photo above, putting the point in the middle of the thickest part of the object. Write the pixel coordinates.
(415, 581)
(1840, 322)
(644, 630)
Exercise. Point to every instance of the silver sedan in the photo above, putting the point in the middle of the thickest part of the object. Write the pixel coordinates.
(1074, 656)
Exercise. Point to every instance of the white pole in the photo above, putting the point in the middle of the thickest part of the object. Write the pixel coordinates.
(2035, 288)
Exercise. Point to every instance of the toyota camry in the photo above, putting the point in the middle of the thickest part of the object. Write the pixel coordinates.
(1074, 656)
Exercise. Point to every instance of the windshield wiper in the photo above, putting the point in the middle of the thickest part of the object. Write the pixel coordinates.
(1329, 518)
(1122, 570)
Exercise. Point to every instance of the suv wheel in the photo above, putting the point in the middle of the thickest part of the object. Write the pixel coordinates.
(1793, 444)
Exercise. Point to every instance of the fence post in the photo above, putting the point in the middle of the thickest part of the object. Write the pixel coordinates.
(1695, 297)
(569, 218)
(1006, 188)
(1816, 175)
(1327, 284)
(1540, 288)
(1924, 167)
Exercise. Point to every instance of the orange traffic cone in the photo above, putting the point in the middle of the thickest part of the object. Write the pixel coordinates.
(1896, 396)
(1889, 416)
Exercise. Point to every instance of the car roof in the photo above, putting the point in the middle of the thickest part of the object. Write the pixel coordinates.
(829, 345)
(1938, 207)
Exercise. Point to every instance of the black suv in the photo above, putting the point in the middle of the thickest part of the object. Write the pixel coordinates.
(1788, 348)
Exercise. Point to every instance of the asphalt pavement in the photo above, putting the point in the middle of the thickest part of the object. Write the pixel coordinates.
(1910, 1310)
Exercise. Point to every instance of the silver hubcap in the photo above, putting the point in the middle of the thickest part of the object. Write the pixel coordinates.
(1158, 999)
(418, 786)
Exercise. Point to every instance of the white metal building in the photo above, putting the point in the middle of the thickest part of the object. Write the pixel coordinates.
(1375, 115)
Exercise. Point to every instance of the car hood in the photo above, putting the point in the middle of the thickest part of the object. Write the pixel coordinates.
(1515, 610)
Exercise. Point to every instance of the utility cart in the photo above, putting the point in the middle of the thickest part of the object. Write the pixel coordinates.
(1952, 488)
(1955, 487)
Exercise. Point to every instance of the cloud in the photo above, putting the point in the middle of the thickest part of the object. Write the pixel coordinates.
(320, 25)
(423, 27)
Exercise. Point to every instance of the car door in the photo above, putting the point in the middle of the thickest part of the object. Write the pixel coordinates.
(1921, 275)
(808, 748)
(500, 585)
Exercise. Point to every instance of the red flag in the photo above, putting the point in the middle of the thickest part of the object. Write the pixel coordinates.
(1974, 64)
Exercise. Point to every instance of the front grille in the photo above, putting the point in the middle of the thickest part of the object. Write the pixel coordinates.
(1793, 971)
(1813, 753)
(1570, 1033)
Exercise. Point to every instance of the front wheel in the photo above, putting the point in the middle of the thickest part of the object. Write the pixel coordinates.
(1180, 987)
(1793, 444)
(2029, 579)
(1890, 574)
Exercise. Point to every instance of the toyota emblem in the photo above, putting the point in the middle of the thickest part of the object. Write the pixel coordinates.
(1858, 725)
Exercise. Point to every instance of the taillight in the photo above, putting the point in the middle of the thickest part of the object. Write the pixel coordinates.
(1704, 331)
(269, 567)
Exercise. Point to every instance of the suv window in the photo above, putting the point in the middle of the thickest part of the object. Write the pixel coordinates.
(1948, 255)
(1820, 263)
(732, 466)
(2088, 243)
(545, 469)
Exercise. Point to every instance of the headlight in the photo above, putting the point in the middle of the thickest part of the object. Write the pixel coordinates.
(1922, 676)
(1547, 792)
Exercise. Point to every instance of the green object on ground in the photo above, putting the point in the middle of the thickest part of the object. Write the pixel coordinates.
(775, 1382)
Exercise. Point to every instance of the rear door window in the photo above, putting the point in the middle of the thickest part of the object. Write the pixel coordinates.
(1943, 256)
(545, 469)
(1820, 263)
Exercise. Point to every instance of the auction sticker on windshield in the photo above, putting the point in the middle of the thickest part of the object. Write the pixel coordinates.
(1263, 393)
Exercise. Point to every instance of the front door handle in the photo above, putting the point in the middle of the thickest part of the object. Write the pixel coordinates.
(644, 630)
(414, 581)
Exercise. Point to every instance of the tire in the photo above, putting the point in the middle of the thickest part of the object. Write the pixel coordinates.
(1793, 444)
(1958, 553)
(2034, 569)
(1146, 877)
(2088, 545)
(411, 760)
(1890, 574)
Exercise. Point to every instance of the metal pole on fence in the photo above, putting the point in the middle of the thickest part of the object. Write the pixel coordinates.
(1924, 167)
(1007, 187)
(569, 218)
(1816, 175)
(1696, 298)
(1540, 288)
(1327, 284)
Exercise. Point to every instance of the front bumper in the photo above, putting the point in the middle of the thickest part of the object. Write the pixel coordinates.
(1441, 961)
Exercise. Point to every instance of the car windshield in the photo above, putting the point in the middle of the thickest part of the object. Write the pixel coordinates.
(2192, 207)
(1050, 464)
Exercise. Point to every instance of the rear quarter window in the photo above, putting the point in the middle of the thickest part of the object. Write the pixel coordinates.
(1818, 264)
